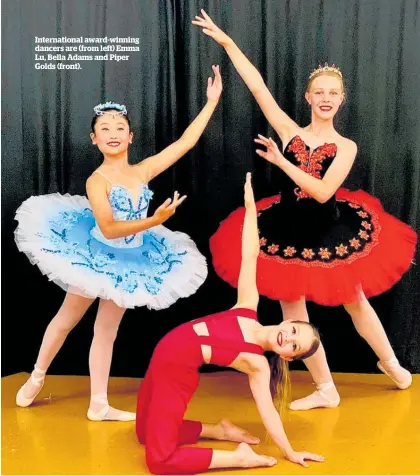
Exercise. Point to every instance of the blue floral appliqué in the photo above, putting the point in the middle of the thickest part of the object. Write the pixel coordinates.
(127, 267)
(124, 209)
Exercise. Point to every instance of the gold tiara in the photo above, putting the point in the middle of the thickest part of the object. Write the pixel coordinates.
(326, 68)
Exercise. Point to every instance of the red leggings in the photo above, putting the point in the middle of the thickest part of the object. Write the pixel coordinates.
(169, 384)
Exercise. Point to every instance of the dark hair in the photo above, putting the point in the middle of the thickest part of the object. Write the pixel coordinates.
(96, 117)
(279, 370)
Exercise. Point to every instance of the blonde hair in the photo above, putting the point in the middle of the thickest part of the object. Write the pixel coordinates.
(280, 386)
(326, 73)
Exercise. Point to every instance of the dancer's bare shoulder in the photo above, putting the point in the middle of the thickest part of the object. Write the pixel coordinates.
(251, 364)
(346, 145)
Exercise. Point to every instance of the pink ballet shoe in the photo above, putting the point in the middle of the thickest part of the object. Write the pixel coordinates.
(107, 413)
(317, 399)
(21, 400)
(395, 372)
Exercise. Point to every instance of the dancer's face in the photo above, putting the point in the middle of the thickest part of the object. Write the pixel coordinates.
(112, 134)
(325, 96)
(291, 339)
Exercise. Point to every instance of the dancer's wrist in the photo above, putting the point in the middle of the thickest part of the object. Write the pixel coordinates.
(288, 451)
(228, 42)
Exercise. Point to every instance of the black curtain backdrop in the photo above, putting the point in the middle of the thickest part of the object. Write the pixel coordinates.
(46, 148)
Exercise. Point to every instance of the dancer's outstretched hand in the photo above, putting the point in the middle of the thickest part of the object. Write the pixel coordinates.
(214, 86)
(273, 153)
(299, 457)
(210, 29)
(249, 193)
(167, 209)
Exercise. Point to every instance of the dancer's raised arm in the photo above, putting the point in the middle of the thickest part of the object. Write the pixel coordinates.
(280, 121)
(247, 286)
(156, 164)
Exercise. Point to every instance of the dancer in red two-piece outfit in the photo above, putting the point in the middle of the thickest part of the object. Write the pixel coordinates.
(231, 338)
(318, 241)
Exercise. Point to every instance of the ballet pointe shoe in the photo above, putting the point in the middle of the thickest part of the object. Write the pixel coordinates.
(395, 372)
(317, 399)
(107, 413)
(21, 400)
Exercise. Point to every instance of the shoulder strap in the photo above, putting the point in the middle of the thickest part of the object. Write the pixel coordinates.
(103, 175)
(245, 312)
(234, 346)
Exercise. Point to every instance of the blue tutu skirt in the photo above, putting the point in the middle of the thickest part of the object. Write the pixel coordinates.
(55, 232)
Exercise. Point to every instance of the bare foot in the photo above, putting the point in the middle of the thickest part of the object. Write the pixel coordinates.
(231, 432)
(249, 459)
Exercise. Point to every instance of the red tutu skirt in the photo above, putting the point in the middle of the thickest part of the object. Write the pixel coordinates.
(372, 261)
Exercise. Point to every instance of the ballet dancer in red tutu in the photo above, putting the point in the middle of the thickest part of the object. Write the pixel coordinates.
(318, 241)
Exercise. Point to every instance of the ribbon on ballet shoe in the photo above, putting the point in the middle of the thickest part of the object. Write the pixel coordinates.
(317, 399)
(394, 365)
(102, 414)
(21, 400)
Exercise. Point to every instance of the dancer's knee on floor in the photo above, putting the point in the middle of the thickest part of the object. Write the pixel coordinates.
(159, 464)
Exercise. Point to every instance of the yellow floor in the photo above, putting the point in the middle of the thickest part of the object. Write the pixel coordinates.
(375, 430)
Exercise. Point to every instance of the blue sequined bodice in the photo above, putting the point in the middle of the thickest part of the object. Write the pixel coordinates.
(124, 208)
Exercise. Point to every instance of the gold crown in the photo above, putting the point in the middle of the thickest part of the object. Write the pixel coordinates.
(326, 68)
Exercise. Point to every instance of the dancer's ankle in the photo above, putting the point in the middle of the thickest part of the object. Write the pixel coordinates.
(38, 372)
(390, 361)
(98, 400)
(326, 386)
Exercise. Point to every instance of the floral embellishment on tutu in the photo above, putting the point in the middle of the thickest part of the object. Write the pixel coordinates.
(289, 251)
(341, 250)
(324, 253)
(288, 246)
(355, 243)
(153, 257)
(162, 259)
(363, 234)
(366, 225)
(273, 248)
(307, 253)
